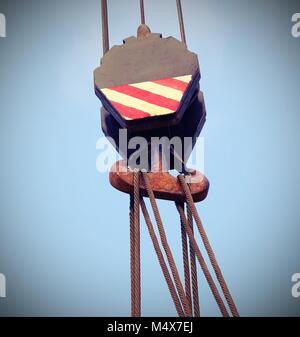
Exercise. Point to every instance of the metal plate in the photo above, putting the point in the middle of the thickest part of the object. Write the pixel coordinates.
(190, 126)
(147, 83)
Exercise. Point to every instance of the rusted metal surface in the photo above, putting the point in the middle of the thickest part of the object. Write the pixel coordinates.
(143, 31)
(164, 185)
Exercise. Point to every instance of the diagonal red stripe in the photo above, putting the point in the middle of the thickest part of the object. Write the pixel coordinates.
(173, 83)
(147, 96)
(129, 112)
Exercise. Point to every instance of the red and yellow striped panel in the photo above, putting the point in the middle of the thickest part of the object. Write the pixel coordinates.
(148, 99)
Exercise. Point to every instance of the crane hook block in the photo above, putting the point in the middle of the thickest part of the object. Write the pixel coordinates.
(149, 82)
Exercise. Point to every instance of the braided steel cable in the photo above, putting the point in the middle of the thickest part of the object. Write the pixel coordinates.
(208, 247)
(161, 260)
(137, 261)
(194, 276)
(181, 21)
(142, 8)
(202, 262)
(166, 246)
(105, 31)
(186, 263)
(132, 256)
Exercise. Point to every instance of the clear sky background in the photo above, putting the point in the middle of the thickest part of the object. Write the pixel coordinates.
(64, 233)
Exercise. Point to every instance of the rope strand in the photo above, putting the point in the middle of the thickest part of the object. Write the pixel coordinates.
(202, 262)
(136, 179)
(181, 21)
(208, 247)
(196, 305)
(132, 255)
(166, 246)
(142, 7)
(105, 32)
(185, 256)
(161, 260)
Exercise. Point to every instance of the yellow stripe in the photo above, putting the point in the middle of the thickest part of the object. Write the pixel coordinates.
(135, 103)
(186, 79)
(160, 90)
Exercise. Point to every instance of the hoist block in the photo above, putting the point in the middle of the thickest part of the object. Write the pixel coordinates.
(147, 83)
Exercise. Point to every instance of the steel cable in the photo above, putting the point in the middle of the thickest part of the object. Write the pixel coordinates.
(194, 276)
(166, 246)
(142, 8)
(208, 247)
(161, 260)
(137, 261)
(105, 31)
(132, 256)
(202, 262)
(186, 263)
(181, 21)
